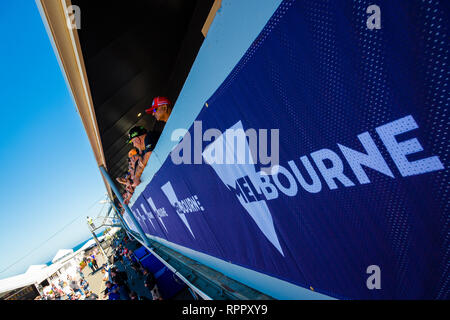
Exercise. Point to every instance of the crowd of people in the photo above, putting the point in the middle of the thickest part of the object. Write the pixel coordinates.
(74, 288)
(91, 262)
(143, 142)
(117, 287)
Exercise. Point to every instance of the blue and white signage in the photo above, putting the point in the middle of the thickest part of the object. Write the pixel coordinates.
(324, 153)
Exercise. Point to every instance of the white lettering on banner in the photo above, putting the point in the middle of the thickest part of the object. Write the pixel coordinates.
(316, 185)
(242, 180)
(184, 206)
(336, 171)
(373, 159)
(143, 217)
(160, 213)
(253, 188)
(399, 150)
(292, 189)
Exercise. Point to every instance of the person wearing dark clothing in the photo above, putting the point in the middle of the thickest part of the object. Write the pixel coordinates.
(91, 296)
(91, 265)
(135, 296)
(120, 278)
(132, 256)
(144, 141)
(114, 294)
(136, 266)
(108, 288)
(150, 283)
(117, 256)
(94, 263)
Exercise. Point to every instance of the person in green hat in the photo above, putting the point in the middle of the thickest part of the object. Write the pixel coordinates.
(145, 141)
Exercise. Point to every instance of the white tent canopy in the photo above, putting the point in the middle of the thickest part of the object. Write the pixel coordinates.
(61, 254)
(34, 274)
(35, 268)
(88, 244)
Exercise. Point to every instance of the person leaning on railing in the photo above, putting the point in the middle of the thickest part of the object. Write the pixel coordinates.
(127, 196)
(133, 163)
(145, 142)
(150, 284)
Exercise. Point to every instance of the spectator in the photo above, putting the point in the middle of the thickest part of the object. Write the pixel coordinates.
(57, 292)
(125, 259)
(135, 264)
(117, 256)
(123, 180)
(80, 273)
(145, 142)
(68, 291)
(75, 287)
(91, 265)
(91, 296)
(150, 283)
(94, 262)
(161, 109)
(120, 279)
(108, 288)
(85, 285)
(133, 162)
(90, 222)
(135, 296)
(114, 293)
(106, 276)
(126, 197)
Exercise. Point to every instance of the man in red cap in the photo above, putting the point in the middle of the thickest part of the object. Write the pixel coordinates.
(160, 109)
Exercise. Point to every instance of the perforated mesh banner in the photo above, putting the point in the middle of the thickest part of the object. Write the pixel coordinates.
(354, 101)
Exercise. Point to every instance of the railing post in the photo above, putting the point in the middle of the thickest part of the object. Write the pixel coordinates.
(107, 215)
(99, 245)
(124, 224)
(127, 209)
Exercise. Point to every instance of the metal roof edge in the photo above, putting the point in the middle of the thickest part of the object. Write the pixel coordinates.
(67, 50)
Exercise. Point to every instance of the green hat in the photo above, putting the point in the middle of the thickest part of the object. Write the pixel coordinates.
(136, 132)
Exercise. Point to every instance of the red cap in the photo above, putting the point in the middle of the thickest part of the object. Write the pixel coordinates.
(158, 101)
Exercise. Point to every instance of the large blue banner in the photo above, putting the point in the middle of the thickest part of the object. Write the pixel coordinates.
(322, 159)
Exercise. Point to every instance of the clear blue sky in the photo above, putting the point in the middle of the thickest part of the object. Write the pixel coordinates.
(48, 173)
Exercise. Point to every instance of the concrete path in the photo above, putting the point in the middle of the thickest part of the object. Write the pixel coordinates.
(97, 284)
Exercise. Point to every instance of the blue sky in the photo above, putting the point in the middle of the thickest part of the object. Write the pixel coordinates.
(48, 173)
